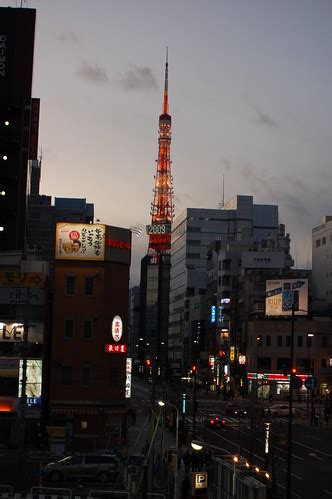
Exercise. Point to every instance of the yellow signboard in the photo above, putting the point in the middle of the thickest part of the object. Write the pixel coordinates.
(22, 279)
(200, 480)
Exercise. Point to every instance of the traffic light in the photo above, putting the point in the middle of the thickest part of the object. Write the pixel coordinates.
(148, 363)
(194, 368)
(293, 371)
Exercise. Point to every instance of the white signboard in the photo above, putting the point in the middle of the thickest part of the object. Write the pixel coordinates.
(117, 328)
(22, 296)
(262, 259)
(80, 241)
(34, 378)
(13, 331)
(282, 294)
(128, 378)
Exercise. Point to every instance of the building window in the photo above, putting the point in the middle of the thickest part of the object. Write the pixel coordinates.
(264, 363)
(86, 375)
(317, 243)
(324, 341)
(70, 285)
(288, 341)
(323, 363)
(268, 340)
(88, 286)
(323, 241)
(279, 341)
(69, 328)
(283, 364)
(67, 375)
(302, 363)
(87, 329)
(300, 341)
(309, 341)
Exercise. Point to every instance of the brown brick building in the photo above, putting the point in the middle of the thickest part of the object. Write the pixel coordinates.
(87, 384)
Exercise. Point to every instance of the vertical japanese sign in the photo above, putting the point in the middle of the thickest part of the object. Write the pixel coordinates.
(128, 378)
(80, 241)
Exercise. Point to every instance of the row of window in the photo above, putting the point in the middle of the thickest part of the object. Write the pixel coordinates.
(303, 363)
(86, 376)
(87, 328)
(322, 242)
(71, 284)
(286, 341)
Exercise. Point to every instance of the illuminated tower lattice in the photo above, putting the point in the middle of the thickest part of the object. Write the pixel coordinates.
(162, 207)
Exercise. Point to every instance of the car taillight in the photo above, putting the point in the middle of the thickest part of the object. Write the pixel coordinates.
(211, 421)
(223, 421)
(217, 418)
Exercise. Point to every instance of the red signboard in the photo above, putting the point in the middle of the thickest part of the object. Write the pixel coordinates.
(274, 377)
(111, 348)
(118, 244)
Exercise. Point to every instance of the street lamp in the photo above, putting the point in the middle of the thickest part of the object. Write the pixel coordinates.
(309, 335)
(161, 403)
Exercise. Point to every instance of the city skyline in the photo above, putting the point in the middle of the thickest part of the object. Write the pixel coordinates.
(249, 97)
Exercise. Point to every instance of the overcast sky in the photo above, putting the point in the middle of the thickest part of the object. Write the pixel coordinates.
(250, 96)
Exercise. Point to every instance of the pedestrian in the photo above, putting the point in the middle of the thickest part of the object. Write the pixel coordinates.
(185, 488)
(186, 458)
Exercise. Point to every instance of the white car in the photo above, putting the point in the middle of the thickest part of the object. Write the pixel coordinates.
(280, 410)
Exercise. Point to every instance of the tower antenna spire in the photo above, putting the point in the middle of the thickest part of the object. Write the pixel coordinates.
(162, 207)
(165, 106)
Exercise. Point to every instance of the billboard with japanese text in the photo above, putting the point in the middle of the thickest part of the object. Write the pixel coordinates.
(282, 294)
(80, 241)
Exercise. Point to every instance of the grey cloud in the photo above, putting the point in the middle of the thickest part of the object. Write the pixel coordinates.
(265, 119)
(70, 38)
(93, 73)
(138, 78)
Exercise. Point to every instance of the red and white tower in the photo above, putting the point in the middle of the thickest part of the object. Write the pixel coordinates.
(162, 207)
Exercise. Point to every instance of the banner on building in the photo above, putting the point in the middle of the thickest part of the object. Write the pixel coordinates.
(22, 279)
(34, 378)
(282, 294)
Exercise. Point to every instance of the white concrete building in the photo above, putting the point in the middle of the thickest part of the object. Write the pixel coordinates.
(193, 231)
(322, 264)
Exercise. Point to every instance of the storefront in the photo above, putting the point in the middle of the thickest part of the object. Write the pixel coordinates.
(277, 385)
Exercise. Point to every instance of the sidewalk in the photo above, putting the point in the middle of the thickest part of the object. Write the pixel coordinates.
(138, 436)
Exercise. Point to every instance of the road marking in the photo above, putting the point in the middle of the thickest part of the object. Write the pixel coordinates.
(293, 493)
(293, 474)
(314, 438)
(311, 448)
(315, 456)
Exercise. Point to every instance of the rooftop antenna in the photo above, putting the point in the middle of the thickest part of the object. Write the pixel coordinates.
(222, 204)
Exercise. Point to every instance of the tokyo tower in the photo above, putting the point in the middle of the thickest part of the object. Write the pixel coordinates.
(162, 207)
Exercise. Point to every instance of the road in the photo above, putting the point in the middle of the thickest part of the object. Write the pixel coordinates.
(312, 451)
(312, 447)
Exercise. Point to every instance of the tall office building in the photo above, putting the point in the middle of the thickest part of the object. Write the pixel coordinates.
(322, 264)
(19, 121)
(193, 231)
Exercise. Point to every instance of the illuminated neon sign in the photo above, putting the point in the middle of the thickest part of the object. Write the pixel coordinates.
(111, 348)
(118, 244)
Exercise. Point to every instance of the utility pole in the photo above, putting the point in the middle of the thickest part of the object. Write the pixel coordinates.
(24, 352)
(195, 402)
(290, 417)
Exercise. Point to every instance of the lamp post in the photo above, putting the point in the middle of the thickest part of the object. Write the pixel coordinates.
(309, 335)
(290, 416)
(161, 403)
(236, 460)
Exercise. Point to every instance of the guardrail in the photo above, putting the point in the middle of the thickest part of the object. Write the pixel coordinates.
(95, 494)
